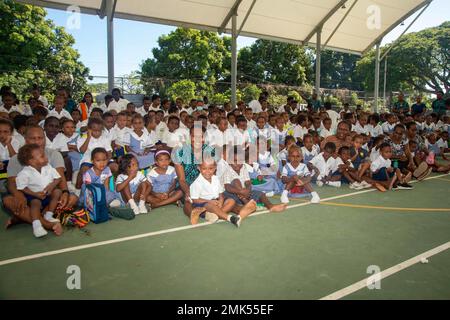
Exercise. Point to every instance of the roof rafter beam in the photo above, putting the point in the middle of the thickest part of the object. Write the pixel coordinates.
(246, 17)
(233, 11)
(340, 23)
(325, 19)
(394, 25)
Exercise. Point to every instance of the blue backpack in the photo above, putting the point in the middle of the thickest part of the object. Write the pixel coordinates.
(95, 202)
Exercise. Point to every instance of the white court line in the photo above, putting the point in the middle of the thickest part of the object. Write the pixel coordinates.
(386, 273)
(155, 233)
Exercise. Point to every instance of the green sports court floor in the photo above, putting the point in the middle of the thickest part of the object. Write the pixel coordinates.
(307, 252)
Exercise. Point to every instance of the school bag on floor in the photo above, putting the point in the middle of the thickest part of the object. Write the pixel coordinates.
(95, 202)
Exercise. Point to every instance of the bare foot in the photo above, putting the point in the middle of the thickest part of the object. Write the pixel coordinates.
(248, 209)
(57, 229)
(195, 214)
(278, 208)
(11, 221)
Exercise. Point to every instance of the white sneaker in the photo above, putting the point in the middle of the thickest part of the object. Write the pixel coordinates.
(319, 183)
(365, 185)
(142, 207)
(356, 186)
(270, 194)
(39, 232)
(315, 197)
(284, 197)
(115, 203)
(211, 217)
(336, 184)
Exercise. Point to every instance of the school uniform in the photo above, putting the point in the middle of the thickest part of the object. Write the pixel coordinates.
(243, 176)
(375, 131)
(309, 155)
(118, 105)
(361, 156)
(4, 152)
(203, 189)
(363, 129)
(160, 130)
(101, 142)
(335, 169)
(388, 128)
(61, 141)
(172, 139)
(133, 184)
(325, 167)
(299, 132)
(44, 101)
(36, 181)
(62, 114)
(237, 137)
(142, 111)
(90, 177)
(215, 137)
(278, 137)
(325, 133)
(378, 169)
(268, 184)
(251, 124)
(222, 167)
(161, 183)
(429, 128)
(138, 144)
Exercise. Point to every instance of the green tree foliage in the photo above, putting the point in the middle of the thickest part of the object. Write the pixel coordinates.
(274, 62)
(338, 70)
(419, 61)
(199, 56)
(251, 92)
(34, 50)
(185, 89)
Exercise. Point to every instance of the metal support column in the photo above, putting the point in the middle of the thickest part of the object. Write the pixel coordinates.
(318, 58)
(110, 4)
(233, 59)
(377, 78)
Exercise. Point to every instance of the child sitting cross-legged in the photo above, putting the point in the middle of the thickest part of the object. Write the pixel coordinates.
(207, 192)
(296, 176)
(385, 176)
(323, 165)
(348, 172)
(132, 184)
(38, 181)
(163, 181)
(238, 186)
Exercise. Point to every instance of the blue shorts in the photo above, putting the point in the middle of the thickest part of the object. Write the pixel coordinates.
(382, 175)
(44, 202)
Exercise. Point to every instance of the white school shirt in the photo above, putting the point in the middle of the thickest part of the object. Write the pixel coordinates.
(387, 127)
(337, 163)
(36, 181)
(118, 135)
(323, 166)
(379, 163)
(146, 140)
(19, 137)
(118, 105)
(419, 125)
(375, 131)
(267, 157)
(17, 108)
(203, 189)
(313, 153)
(301, 171)
(215, 137)
(61, 141)
(374, 154)
(48, 143)
(325, 133)
(101, 142)
(334, 116)
(160, 130)
(299, 131)
(237, 137)
(43, 100)
(277, 134)
(4, 152)
(172, 139)
(222, 167)
(251, 124)
(63, 114)
(255, 105)
(231, 175)
(429, 127)
(363, 130)
(142, 111)
(133, 184)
